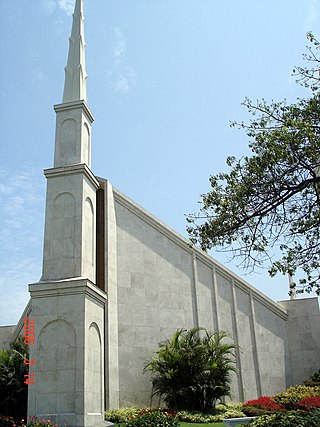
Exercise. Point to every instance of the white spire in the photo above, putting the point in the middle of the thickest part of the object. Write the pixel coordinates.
(75, 71)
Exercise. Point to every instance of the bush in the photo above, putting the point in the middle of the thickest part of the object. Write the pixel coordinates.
(253, 411)
(264, 402)
(288, 419)
(316, 377)
(152, 417)
(230, 410)
(32, 422)
(261, 406)
(36, 422)
(6, 421)
(120, 415)
(195, 417)
(13, 391)
(192, 372)
(228, 406)
(219, 414)
(311, 402)
(294, 394)
(314, 380)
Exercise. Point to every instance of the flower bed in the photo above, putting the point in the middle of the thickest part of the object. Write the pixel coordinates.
(6, 421)
(159, 417)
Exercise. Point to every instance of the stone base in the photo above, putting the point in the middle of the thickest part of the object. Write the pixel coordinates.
(68, 353)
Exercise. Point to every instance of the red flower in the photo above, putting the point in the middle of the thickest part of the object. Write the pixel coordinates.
(264, 402)
(309, 402)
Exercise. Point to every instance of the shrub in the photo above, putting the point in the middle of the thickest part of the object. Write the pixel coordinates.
(38, 422)
(311, 402)
(191, 371)
(294, 394)
(120, 415)
(195, 417)
(13, 391)
(253, 411)
(230, 413)
(316, 377)
(218, 415)
(32, 422)
(152, 417)
(314, 380)
(264, 402)
(288, 419)
(228, 406)
(6, 421)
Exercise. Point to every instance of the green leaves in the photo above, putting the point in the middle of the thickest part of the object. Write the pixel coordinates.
(192, 369)
(13, 391)
(270, 202)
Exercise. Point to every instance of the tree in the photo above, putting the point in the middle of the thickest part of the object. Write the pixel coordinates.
(271, 200)
(13, 391)
(192, 371)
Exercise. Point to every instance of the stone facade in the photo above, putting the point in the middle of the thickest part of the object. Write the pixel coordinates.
(68, 352)
(303, 334)
(6, 333)
(153, 284)
(116, 281)
(163, 284)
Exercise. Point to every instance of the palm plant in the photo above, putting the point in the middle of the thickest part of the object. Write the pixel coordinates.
(13, 391)
(191, 370)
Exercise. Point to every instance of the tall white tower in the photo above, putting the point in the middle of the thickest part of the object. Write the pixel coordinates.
(67, 307)
(69, 242)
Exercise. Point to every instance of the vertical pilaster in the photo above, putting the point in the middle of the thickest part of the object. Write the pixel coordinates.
(112, 289)
(214, 299)
(254, 346)
(195, 305)
(236, 339)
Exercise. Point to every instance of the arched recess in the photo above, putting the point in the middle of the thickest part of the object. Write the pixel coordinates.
(86, 149)
(56, 367)
(89, 231)
(63, 226)
(68, 138)
(94, 369)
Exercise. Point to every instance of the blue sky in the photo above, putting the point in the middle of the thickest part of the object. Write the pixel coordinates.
(165, 79)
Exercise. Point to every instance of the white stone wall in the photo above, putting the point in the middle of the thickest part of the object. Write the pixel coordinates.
(70, 224)
(6, 336)
(303, 331)
(73, 134)
(68, 352)
(164, 285)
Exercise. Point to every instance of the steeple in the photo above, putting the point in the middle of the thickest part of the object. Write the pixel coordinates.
(71, 197)
(74, 119)
(67, 307)
(75, 71)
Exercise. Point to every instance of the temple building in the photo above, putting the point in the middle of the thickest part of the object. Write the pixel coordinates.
(116, 281)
